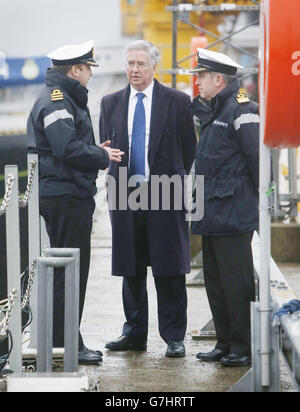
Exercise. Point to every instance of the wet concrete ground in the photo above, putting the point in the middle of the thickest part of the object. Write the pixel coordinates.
(151, 371)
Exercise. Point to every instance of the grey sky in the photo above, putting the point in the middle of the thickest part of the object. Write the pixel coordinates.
(34, 27)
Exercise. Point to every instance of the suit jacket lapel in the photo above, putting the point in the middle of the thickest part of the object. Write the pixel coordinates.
(122, 127)
(159, 114)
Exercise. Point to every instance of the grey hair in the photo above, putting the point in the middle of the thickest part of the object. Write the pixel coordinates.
(145, 46)
(227, 77)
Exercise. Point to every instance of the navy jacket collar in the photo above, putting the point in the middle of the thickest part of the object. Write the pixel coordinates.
(229, 90)
(77, 92)
(205, 110)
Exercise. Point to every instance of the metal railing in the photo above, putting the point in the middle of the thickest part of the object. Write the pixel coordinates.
(59, 258)
(37, 292)
(284, 338)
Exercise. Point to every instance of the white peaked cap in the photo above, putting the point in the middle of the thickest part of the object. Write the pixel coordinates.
(74, 54)
(209, 60)
(218, 57)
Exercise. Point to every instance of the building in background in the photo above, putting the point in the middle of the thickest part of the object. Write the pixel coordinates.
(30, 29)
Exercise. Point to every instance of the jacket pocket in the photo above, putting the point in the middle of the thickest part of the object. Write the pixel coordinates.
(219, 187)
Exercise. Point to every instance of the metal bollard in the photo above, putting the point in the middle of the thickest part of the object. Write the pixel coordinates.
(14, 269)
(74, 290)
(45, 312)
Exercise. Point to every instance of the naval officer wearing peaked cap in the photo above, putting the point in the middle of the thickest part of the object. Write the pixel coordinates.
(228, 157)
(59, 129)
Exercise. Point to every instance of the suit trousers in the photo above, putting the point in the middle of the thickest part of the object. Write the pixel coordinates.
(229, 281)
(69, 225)
(171, 294)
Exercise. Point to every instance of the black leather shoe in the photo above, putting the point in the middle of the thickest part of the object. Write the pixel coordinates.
(89, 357)
(175, 349)
(214, 356)
(234, 359)
(125, 343)
(96, 352)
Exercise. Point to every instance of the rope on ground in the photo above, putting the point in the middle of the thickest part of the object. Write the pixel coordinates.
(4, 359)
(290, 307)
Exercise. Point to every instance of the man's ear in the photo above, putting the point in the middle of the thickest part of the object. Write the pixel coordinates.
(73, 72)
(219, 79)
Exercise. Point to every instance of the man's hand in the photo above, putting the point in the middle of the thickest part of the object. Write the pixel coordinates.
(114, 154)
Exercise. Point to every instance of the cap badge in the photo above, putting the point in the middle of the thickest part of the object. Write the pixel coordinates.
(57, 94)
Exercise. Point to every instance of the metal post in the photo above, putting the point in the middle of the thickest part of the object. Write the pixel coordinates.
(14, 269)
(72, 285)
(265, 230)
(292, 161)
(45, 312)
(45, 317)
(174, 45)
(251, 381)
(34, 242)
(45, 241)
(275, 153)
(71, 318)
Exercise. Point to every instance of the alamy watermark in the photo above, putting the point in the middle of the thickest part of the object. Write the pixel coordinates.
(296, 65)
(176, 192)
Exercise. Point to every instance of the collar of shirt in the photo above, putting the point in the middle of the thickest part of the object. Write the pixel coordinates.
(147, 92)
(147, 104)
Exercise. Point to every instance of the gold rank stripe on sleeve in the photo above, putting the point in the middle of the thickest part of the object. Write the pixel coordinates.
(57, 94)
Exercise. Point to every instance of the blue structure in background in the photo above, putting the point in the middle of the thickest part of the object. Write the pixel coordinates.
(22, 72)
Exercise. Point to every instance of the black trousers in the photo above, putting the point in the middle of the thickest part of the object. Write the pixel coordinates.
(171, 294)
(69, 225)
(229, 281)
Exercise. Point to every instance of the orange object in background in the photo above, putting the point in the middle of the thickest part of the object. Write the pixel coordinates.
(196, 43)
(282, 72)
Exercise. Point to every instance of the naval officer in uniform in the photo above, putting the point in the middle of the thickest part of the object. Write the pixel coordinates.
(228, 157)
(60, 131)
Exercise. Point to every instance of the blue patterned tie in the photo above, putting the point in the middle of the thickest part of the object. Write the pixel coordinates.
(137, 153)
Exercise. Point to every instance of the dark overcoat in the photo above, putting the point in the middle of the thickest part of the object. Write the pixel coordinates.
(172, 147)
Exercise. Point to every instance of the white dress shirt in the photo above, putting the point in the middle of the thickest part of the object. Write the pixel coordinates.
(147, 101)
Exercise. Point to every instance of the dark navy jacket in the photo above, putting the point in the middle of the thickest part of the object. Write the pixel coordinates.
(228, 157)
(59, 129)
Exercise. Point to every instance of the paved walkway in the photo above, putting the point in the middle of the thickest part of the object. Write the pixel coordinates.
(151, 371)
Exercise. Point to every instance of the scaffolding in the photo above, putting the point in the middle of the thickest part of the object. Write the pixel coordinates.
(181, 12)
(284, 205)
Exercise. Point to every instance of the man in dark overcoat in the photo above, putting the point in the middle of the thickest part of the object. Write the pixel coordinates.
(153, 125)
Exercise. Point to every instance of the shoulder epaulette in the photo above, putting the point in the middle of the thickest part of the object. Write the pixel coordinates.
(56, 95)
(242, 97)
